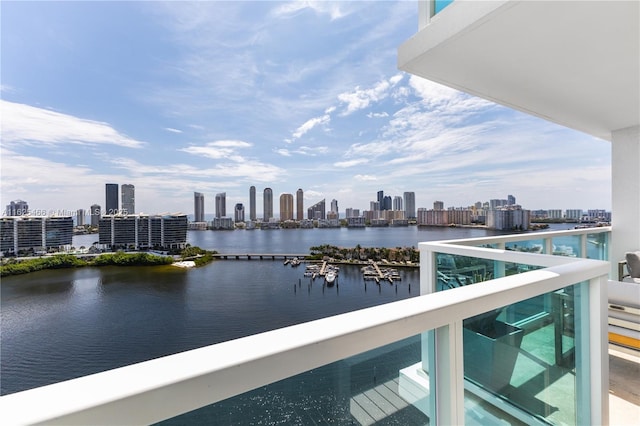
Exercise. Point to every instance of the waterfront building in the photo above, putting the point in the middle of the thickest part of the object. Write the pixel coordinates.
(386, 203)
(495, 204)
(222, 223)
(438, 205)
(128, 199)
(80, 217)
(111, 199)
(238, 213)
(198, 226)
(286, 207)
(397, 203)
(17, 208)
(350, 212)
(432, 217)
(356, 222)
(380, 200)
(221, 204)
(299, 204)
(306, 223)
(511, 200)
(252, 203)
(267, 205)
(35, 233)
(334, 208)
(573, 214)
(410, 204)
(317, 211)
(374, 206)
(198, 207)
(508, 218)
(554, 214)
(95, 214)
(459, 216)
(141, 231)
(598, 215)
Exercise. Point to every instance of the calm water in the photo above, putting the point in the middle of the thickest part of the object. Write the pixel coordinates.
(57, 325)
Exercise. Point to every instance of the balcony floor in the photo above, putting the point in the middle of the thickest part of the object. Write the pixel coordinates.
(624, 386)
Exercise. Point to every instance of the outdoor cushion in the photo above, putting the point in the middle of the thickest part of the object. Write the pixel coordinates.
(633, 263)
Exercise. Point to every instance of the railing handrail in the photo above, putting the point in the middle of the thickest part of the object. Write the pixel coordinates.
(162, 388)
(528, 236)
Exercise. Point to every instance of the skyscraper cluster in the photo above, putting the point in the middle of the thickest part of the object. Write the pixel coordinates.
(128, 198)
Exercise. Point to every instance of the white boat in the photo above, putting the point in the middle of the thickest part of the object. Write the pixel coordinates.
(330, 277)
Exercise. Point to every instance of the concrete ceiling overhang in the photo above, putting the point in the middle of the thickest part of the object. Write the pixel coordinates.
(575, 63)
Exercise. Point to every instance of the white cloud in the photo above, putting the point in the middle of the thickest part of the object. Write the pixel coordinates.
(172, 130)
(217, 149)
(350, 163)
(365, 178)
(361, 98)
(378, 114)
(334, 9)
(24, 124)
(310, 124)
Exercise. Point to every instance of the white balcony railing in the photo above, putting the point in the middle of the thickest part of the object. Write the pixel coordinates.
(162, 388)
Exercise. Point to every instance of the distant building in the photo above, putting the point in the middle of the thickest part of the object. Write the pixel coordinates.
(511, 200)
(221, 204)
(80, 217)
(387, 203)
(317, 211)
(380, 200)
(128, 199)
(397, 203)
(222, 223)
(252, 203)
(140, 231)
(334, 208)
(299, 204)
(238, 213)
(198, 207)
(509, 218)
(286, 207)
(410, 204)
(573, 214)
(17, 208)
(554, 214)
(355, 222)
(375, 206)
(95, 214)
(111, 199)
(438, 205)
(352, 212)
(267, 205)
(37, 233)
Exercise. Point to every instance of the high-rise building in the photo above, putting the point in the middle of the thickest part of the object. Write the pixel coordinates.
(386, 203)
(17, 208)
(380, 200)
(111, 199)
(238, 213)
(438, 205)
(334, 208)
(143, 231)
(317, 211)
(267, 204)
(286, 207)
(410, 204)
(252, 203)
(397, 203)
(511, 200)
(128, 198)
(299, 204)
(198, 207)
(35, 233)
(221, 204)
(95, 214)
(80, 217)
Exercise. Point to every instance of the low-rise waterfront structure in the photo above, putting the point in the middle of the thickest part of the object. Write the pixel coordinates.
(140, 231)
(35, 233)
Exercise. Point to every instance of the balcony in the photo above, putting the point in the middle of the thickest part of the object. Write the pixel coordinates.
(411, 361)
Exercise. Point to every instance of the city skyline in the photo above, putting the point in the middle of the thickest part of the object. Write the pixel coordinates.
(173, 99)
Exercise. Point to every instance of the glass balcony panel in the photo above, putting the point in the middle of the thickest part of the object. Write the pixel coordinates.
(441, 4)
(567, 246)
(384, 386)
(528, 246)
(598, 246)
(532, 369)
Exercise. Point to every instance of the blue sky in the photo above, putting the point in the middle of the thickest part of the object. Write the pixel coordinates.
(213, 97)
